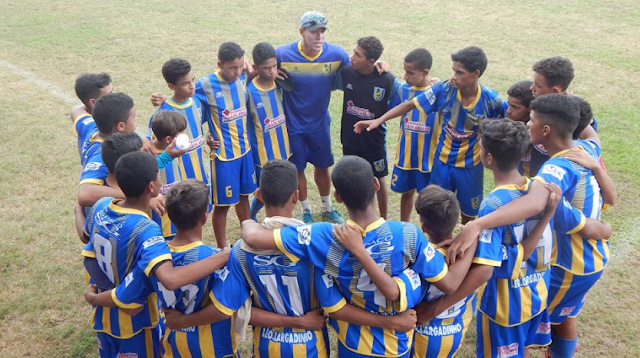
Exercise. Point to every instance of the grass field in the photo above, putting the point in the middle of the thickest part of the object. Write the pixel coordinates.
(42, 312)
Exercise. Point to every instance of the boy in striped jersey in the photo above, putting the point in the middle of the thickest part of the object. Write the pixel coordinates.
(187, 206)
(266, 121)
(579, 255)
(224, 106)
(393, 246)
(285, 294)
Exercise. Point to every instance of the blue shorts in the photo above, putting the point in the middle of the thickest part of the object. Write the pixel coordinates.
(496, 341)
(314, 148)
(567, 293)
(467, 183)
(404, 181)
(344, 352)
(230, 179)
(145, 344)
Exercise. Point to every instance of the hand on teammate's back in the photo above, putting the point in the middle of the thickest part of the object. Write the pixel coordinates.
(148, 147)
(157, 204)
(174, 318)
(458, 245)
(581, 157)
(350, 237)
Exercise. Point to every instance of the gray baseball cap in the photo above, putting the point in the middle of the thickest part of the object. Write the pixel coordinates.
(313, 20)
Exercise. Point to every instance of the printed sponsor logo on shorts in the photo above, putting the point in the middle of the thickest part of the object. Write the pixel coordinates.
(544, 328)
(508, 351)
(378, 165)
(565, 311)
(475, 202)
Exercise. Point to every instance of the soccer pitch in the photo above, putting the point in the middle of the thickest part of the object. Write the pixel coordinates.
(44, 45)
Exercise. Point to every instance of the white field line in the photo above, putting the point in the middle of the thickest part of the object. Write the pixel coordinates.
(46, 85)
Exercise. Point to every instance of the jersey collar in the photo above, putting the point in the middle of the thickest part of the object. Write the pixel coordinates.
(173, 103)
(374, 225)
(255, 83)
(119, 209)
(475, 100)
(184, 248)
(307, 57)
(564, 151)
(514, 186)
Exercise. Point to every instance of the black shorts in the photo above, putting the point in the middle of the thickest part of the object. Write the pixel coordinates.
(377, 157)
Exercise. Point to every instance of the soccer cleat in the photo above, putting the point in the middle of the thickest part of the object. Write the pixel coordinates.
(333, 216)
(307, 218)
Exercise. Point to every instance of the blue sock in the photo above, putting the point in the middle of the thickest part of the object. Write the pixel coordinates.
(562, 347)
(255, 207)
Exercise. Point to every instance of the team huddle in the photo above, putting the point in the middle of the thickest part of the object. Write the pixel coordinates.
(521, 265)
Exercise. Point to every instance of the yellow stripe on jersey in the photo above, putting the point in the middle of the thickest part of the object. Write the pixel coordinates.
(168, 353)
(482, 261)
(366, 340)
(577, 249)
(89, 254)
(402, 304)
(324, 68)
(502, 311)
(278, 240)
(321, 346)
(126, 326)
(222, 308)
(122, 304)
(256, 341)
(300, 350)
(274, 349)
(516, 265)
(337, 307)
(154, 262)
(439, 276)
(182, 344)
(305, 55)
(92, 181)
(148, 342)
(525, 303)
(486, 339)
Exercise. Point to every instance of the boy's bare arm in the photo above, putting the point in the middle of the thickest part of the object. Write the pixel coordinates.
(80, 221)
(457, 272)
(404, 321)
(208, 315)
(89, 193)
(313, 320)
(175, 277)
(104, 299)
(530, 242)
(76, 111)
(519, 209)
(596, 230)
(396, 111)
(478, 275)
(351, 239)
(258, 237)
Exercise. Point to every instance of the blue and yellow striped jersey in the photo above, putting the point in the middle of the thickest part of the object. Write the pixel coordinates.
(419, 132)
(197, 341)
(190, 165)
(276, 284)
(458, 144)
(224, 107)
(267, 124)
(86, 130)
(94, 171)
(579, 187)
(394, 246)
(307, 106)
(444, 332)
(518, 289)
(121, 239)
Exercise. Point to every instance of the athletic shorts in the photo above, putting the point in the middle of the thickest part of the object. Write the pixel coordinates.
(404, 181)
(567, 293)
(314, 148)
(145, 344)
(344, 352)
(495, 341)
(465, 182)
(230, 179)
(377, 157)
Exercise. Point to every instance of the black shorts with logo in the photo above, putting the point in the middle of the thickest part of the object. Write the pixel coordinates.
(377, 157)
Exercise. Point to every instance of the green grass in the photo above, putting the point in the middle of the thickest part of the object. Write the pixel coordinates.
(41, 276)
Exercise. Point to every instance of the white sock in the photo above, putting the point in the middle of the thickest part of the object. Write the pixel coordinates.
(325, 203)
(305, 205)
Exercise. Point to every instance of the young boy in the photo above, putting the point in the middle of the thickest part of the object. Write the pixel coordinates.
(419, 133)
(121, 238)
(554, 118)
(513, 293)
(89, 87)
(394, 246)
(267, 124)
(441, 336)
(278, 285)
(187, 204)
(464, 103)
(224, 106)
(366, 96)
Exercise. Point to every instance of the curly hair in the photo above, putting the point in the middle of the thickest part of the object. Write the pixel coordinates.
(506, 140)
(372, 47)
(557, 71)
